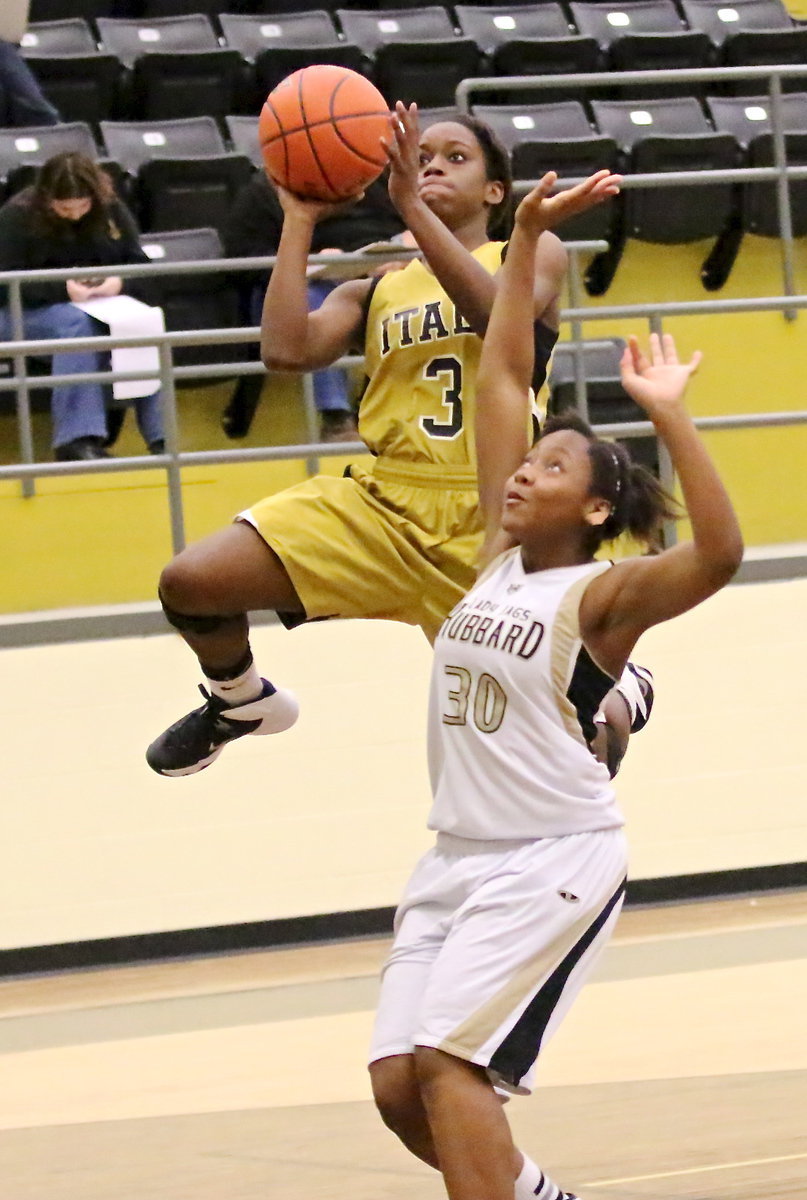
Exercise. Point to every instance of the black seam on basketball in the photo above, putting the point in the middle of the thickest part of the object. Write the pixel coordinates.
(307, 128)
(359, 154)
(284, 133)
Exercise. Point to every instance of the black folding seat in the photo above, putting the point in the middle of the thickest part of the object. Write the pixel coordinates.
(177, 67)
(243, 133)
(670, 135)
(77, 78)
(751, 33)
(183, 174)
(207, 301)
(132, 143)
(33, 145)
(414, 54)
(528, 41)
(274, 45)
(748, 119)
(607, 400)
(59, 37)
(557, 137)
(276, 62)
(643, 35)
(370, 29)
(252, 33)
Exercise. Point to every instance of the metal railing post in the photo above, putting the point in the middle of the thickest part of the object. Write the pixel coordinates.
(173, 470)
(311, 420)
(24, 431)
(666, 471)
(576, 325)
(782, 192)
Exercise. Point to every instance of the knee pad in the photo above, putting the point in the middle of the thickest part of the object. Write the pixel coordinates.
(188, 623)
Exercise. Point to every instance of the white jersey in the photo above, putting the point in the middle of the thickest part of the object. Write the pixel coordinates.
(513, 698)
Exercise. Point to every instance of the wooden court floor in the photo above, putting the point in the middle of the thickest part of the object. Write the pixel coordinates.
(681, 1072)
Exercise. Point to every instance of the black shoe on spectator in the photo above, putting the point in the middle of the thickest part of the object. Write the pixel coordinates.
(157, 446)
(80, 449)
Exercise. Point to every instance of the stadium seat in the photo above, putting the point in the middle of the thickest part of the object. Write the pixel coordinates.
(276, 44)
(557, 137)
(528, 41)
(177, 67)
(131, 143)
(251, 34)
(35, 144)
(413, 54)
(608, 402)
(170, 193)
(372, 29)
(59, 37)
(751, 33)
(642, 36)
(425, 72)
(748, 119)
(130, 39)
(670, 135)
(276, 62)
(208, 301)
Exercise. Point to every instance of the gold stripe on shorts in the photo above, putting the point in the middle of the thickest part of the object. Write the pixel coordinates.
(477, 1029)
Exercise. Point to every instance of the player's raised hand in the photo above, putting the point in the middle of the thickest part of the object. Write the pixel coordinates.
(656, 381)
(541, 209)
(403, 150)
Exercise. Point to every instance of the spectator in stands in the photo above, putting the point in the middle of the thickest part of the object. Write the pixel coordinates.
(22, 101)
(71, 217)
(253, 229)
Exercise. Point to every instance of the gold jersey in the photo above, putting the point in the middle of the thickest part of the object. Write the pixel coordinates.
(421, 358)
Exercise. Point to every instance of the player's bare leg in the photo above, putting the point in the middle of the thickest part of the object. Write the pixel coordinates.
(399, 1099)
(206, 592)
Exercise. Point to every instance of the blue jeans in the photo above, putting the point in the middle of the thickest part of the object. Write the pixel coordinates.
(25, 103)
(78, 410)
(330, 384)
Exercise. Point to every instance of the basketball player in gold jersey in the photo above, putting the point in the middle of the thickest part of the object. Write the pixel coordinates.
(399, 541)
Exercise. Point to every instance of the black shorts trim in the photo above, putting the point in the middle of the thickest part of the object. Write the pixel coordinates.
(521, 1047)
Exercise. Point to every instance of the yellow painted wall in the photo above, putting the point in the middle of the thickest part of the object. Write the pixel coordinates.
(102, 539)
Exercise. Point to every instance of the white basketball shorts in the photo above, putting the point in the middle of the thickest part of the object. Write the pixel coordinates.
(493, 940)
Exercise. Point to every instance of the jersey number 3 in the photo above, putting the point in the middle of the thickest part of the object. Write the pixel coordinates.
(450, 370)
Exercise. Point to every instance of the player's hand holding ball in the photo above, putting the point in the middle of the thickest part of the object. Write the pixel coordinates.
(321, 132)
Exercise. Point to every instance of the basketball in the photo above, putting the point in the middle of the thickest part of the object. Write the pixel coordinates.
(320, 132)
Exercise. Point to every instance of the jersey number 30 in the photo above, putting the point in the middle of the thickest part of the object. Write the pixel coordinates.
(450, 370)
(489, 700)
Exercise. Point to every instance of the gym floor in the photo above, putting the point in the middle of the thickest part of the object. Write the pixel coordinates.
(680, 1073)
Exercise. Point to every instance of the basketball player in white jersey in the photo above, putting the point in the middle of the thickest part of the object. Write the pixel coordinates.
(505, 916)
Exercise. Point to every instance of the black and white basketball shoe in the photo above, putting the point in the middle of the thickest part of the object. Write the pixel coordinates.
(197, 739)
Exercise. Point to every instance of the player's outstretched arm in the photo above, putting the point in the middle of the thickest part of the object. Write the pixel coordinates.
(506, 365)
(292, 339)
(619, 605)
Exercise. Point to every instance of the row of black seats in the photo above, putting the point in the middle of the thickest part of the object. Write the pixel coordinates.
(184, 66)
(178, 172)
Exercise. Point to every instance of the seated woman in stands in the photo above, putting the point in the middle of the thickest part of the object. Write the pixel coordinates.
(71, 217)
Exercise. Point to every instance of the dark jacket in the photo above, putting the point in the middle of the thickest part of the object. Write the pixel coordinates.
(256, 218)
(24, 247)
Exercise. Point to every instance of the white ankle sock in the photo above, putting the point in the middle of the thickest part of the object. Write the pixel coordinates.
(240, 690)
(532, 1182)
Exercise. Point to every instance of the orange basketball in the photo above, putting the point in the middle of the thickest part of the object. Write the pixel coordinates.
(320, 132)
